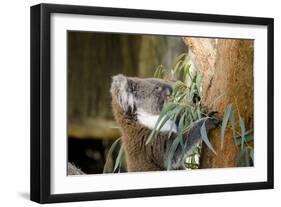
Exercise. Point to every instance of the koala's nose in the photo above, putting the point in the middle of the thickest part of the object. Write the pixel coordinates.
(168, 90)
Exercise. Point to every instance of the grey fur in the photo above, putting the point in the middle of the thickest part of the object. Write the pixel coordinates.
(150, 94)
(73, 170)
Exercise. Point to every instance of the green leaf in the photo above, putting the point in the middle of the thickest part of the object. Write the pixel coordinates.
(242, 127)
(179, 86)
(119, 158)
(232, 120)
(188, 127)
(109, 154)
(181, 129)
(168, 116)
(179, 58)
(247, 158)
(159, 71)
(181, 110)
(198, 113)
(181, 70)
(186, 71)
(156, 73)
(198, 81)
(194, 78)
(240, 162)
(171, 153)
(224, 122)
(252, 154)
(243, 157)
(191, 93)
(177, 69)
(205, 138)
(248, 137)
(180, 97)
(165, 118)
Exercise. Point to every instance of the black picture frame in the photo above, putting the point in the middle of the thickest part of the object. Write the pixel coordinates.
(41, 99)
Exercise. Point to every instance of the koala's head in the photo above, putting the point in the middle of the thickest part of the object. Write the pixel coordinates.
(148, 94)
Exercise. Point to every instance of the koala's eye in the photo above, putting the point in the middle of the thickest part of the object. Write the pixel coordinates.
(158, 88)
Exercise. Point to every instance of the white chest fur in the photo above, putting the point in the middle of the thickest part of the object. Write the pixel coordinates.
(150, 120)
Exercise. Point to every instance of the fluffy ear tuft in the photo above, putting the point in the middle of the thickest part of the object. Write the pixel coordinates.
(120, 90)
(119, 79)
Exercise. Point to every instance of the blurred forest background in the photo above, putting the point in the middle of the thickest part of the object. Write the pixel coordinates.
(93, 58)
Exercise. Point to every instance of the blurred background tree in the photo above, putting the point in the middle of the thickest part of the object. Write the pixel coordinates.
(93, 58)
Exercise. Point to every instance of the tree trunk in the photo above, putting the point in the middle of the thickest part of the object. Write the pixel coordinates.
(227, 67)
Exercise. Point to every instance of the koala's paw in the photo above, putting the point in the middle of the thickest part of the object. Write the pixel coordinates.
(216, 121)
(213, 120)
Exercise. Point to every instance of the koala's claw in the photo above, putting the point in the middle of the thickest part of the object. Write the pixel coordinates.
(212, 113)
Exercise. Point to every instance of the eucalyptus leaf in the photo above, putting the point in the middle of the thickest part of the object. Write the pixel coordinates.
(179, 58)
(109, 154)
(240, 162)
(177, 67)
(232, 121)
(159, 71)
(252, 154)
(242, 127)
(224, 122)
(171, 153)
(119, 158)
(198, 112)
(205, 138)
(191, 93)
(198, 81)
(166, 118)
(248, 137)
(180, 129)
(169, 116)
(173, 119)
(247, 157)
(186, 71)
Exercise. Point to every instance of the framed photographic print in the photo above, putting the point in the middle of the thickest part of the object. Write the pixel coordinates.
(132, 103)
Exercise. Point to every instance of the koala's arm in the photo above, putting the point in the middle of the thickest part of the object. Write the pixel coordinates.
(163, 143)
(193, 136)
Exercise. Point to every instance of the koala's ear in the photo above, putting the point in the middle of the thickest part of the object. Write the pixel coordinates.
(120, 88)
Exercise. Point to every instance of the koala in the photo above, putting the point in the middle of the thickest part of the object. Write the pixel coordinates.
(136, 105)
